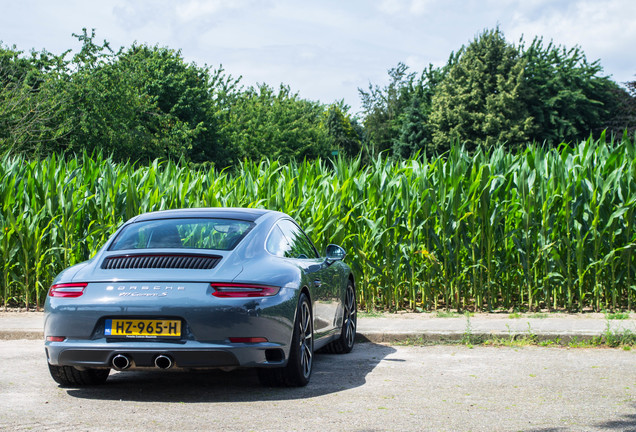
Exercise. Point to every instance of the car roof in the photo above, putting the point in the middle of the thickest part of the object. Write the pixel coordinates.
(246, 214)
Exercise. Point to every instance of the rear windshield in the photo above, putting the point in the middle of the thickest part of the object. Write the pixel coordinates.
(219, 234)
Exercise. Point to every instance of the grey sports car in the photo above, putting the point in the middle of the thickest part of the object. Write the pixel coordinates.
(201, 288)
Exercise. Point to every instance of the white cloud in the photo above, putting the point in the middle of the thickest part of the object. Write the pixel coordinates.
(420, 7)
(392, 7)
(604, 30)
(195, 9)
(395, 7)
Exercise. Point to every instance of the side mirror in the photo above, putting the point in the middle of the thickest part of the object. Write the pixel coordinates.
(335, 253)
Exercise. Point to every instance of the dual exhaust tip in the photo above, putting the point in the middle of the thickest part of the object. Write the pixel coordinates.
(163, 361)
(122, 362)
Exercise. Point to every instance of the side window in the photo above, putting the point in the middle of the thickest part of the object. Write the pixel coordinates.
(300, 245)
(276, 243)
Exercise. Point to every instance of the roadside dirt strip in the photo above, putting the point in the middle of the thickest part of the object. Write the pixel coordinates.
(376, 387)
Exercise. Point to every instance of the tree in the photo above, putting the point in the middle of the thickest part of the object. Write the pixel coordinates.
(146, 102)
(624, 116)
(396, 117)
(479, 101)
(413, 131)
(141, 103)
(564, 93)
(262, 122)
(342, 134)
(30, 101)
(382, 108)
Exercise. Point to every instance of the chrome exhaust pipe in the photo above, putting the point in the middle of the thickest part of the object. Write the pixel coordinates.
(163, 361)
(120, 362)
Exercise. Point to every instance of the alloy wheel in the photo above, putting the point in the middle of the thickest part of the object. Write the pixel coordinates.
(306, 339)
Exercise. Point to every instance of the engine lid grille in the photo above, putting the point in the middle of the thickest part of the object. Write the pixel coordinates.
(163, 261)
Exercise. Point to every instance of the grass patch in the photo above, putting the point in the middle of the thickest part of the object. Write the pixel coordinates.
(623, 339)
(516, 342)
(550, 342)
(370, 314)
(617, 315)
(584, 343)
(447, 314)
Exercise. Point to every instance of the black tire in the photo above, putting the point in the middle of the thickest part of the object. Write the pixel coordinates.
(344, 343)
(299, 366)
(68, 376)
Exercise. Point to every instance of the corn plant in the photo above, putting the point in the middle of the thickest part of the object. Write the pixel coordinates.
(543, 228)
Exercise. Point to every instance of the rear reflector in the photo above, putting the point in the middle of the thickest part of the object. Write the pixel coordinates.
(222, 289)
(247, 339)
(67, 289)
(55, 338)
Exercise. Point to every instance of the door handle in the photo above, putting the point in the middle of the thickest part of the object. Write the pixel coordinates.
(317, 283)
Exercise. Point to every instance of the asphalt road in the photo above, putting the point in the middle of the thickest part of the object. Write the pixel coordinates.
(376, 387)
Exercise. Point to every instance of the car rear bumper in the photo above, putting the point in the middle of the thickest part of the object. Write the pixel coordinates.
(191, 354)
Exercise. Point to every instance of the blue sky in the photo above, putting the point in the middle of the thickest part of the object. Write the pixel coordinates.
(325, 50)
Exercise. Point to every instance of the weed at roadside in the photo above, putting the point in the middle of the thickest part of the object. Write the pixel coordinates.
(447, 314)
(617, 315)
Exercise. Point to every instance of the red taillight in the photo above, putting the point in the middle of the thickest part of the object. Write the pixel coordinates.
(222, 289)
(55, 338)
(67, 289)
(247, 339)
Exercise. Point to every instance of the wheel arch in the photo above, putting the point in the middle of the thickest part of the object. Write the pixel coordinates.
(305, 290)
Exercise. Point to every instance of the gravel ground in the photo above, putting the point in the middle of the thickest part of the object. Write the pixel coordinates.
(376, 387)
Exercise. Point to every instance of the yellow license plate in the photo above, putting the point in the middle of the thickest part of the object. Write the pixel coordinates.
(142, 328)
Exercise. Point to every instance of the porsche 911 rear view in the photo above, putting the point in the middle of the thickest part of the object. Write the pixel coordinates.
(201, 288)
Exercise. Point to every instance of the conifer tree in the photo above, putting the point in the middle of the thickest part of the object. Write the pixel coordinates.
(478, 102)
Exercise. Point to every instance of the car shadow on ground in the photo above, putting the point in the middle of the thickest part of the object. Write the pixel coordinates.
(332, 373)
(626, 423)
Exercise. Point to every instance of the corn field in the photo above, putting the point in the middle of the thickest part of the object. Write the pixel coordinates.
(542, 229)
